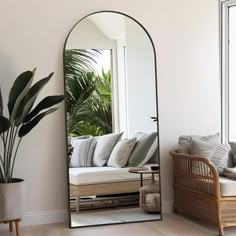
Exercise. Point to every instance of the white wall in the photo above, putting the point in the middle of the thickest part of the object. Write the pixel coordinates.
(185, 34)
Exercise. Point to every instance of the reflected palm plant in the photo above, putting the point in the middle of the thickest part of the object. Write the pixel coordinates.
(88, 95)
(96, 110)
(79, 61)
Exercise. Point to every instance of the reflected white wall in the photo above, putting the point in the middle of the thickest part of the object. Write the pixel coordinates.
(141, 93)
(86, 35)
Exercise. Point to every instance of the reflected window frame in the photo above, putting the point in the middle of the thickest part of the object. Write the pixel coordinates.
(224, 68)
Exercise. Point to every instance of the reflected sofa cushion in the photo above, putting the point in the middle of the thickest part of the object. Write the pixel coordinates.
(121, 153)
(217, 153)
(185, 141)
(72, 139)
(104, 147)
(82, 154)
(143, 144)
(150, 153)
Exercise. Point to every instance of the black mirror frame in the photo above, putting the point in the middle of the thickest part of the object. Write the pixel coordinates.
(156, 118)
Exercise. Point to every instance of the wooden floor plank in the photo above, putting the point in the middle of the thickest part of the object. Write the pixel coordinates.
(172, 225)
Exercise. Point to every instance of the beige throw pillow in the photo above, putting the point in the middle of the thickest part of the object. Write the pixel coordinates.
(104, 147)
(121, 153)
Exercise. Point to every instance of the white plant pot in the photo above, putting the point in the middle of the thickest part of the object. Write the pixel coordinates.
(12, 200)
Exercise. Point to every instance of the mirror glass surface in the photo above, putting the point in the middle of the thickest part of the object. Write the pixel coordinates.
(112, 125)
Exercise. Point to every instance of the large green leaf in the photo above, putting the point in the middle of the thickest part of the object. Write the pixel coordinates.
(4, 124)
(44, 104)
(1, 103)
(18, 91)
(30, 98)
(26, 128)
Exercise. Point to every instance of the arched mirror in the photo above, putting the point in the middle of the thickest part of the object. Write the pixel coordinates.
(112, 122)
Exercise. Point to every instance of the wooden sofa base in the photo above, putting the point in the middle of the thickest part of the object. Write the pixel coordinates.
(104, 189)
(205, 207)
(197, 204)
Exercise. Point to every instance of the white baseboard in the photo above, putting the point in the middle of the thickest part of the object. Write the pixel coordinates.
(59, 216)
(167, 207)
(45, 217)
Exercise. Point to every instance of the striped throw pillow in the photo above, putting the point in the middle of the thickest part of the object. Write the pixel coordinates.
(220, 157)
(82, 154)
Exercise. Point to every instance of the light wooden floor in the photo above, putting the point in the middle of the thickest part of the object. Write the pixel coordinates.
(172, 225)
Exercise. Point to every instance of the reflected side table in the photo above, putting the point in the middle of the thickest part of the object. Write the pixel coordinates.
(149, 197)
(142, 172)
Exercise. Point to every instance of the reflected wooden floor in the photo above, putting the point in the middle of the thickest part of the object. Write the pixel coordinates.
(113, 216)
(172, 225)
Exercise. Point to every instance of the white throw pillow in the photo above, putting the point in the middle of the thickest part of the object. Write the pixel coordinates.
(150, 153)
(104, 147)
(121, 153)
(72, 139)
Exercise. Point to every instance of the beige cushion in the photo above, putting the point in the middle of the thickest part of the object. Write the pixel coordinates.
(121, 153)
(104, 147)
(227, 187)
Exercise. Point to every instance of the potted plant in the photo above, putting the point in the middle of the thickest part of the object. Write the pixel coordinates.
(23, 117)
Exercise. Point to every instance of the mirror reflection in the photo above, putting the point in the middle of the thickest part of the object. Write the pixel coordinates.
(111, 111)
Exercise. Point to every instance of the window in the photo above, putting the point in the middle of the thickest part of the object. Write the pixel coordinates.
(228, 69)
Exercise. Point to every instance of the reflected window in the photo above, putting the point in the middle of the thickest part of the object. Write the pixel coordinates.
(88, 92)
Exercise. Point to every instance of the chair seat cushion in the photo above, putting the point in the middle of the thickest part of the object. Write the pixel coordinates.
(227, 187)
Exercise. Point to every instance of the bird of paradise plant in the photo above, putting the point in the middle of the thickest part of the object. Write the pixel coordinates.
(23, 117)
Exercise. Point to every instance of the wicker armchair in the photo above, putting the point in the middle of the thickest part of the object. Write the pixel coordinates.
(197, 191)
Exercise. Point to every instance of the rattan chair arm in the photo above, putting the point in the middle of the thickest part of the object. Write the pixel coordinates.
(195, 173)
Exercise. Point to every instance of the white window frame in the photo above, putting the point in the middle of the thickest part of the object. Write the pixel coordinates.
(224, 29)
